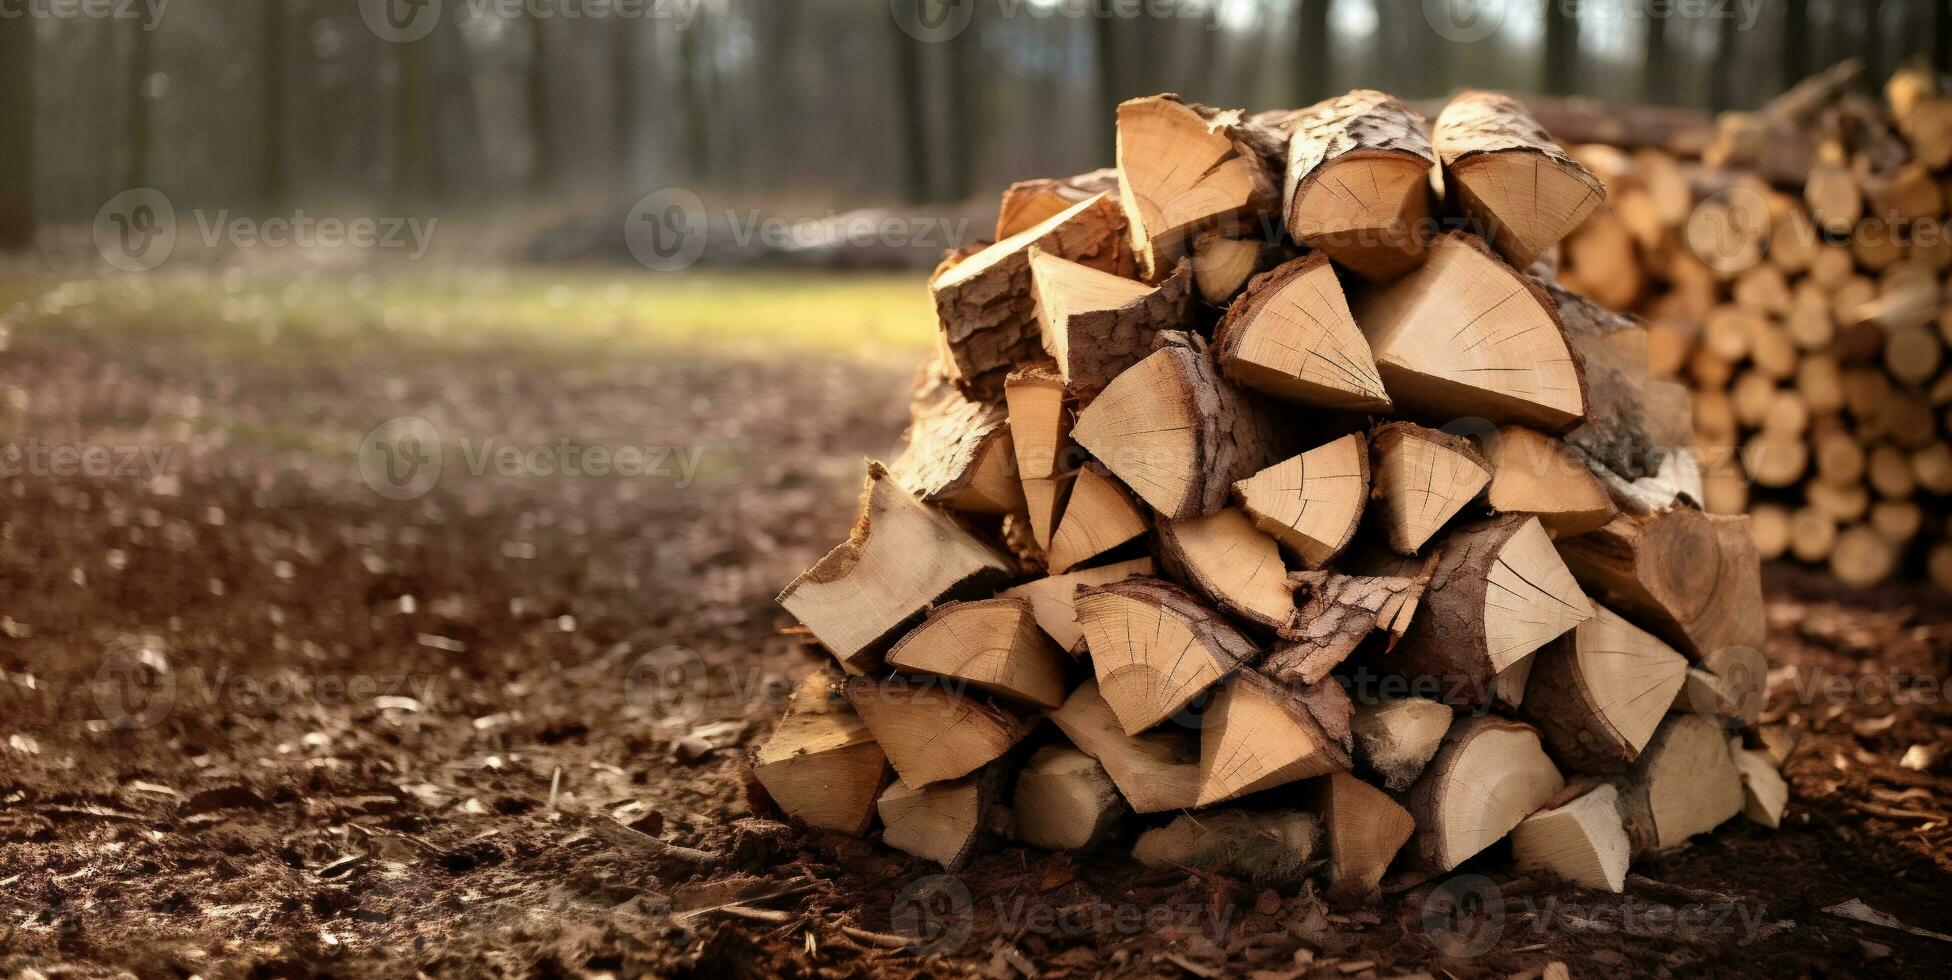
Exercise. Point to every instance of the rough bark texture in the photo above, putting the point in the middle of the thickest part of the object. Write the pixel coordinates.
(1028, 202)
(1446, 639)
(1489, 129)
(1638, 432)
(1100, 344)
(1362, 121)
(948, 433)
(1342, 611)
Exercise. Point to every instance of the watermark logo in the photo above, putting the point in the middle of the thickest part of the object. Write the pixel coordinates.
(933, 21)
(149, 12)
(670, 682)
(1727, 229)
(1464, 916)
(400, 21)
(134, 688)
(136, 230)
(666, 230)
(400, 459)
(1464, 21)
(934, 914)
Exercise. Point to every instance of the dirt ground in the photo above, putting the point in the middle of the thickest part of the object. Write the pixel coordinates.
(258, 718)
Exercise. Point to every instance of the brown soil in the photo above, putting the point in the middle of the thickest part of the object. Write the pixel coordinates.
(257, 720)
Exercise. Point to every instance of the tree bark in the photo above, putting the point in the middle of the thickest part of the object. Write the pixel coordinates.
(16, 132)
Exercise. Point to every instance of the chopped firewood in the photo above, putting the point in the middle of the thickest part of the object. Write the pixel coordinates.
(1358, 183)
(1764, 793)
(1180, 171)
(1155, 648)
(1582, 841)
(1533, 473)
(1923, 114)
(1053, 599)
(1097, 324)
(1423, 478)
(939, 823)
(1222, 265)
(1260, 734)
(1598, 692)
(1225, 558)
(1291, 336)
(1028, 203)
(1509, 176)
(901, 556)
(1040, 433)
(1499, 592)
(1489, 774)
(993, 644)
(1155, 771)
(1342, 611)
(1727, 687)
(1690, 578)
(1264, 847)
(1683, 784)
(1311, 503)
(1365, 830)
(958, 452)
(1065, 800)
(1177, 433)
(1396, 737)
(1100, 516)
(1776, 742)
(985, 305)
(1466, 335)
(929, 733)
(821, 764)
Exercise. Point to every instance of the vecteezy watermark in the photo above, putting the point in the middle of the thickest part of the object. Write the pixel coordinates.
(67, 460)
(1467, 915)
(149, 12)
(406, 21)
(403, 458)
(135, 689)
(1468, 21)
(668, 229)
(137, 230)
(934, 21)
(937, 915)
(675, 682)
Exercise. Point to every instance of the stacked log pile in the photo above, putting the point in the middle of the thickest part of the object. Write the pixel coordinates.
(1342, 549)
(1798, 277)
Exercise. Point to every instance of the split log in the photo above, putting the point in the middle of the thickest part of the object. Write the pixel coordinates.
(939, 823)
(1040, 433)
(1097, 324)
(901, 556)
(1222, 265)
(957, 452)
(1634, 423)
(1260, 734)
(1358, 183)
(984, 303)
(1499, 592)
(929, 733)
(1155, 648)
(1178, 434)
(1923, 114)
(1227, 559)
(1313, 502)
(1727, 687)
(1489, 775)
(1052, 599)
(1100, 516)
(1764, 793)
(1028, 203)
(1065, 801)
(1342, 611)
(1291, 336)
(1424, 477)
(1397, 737)
(1582, 841)
(992, 644)
(1466, 335)
(821, 765)
(1533, 473)
(1266, 848)
(1181, 170)
(1509, 176)
(1599, 692)
(1683, 784)
(1776, 742)
(1690, 578)
(1365, 830)
(1155, 771)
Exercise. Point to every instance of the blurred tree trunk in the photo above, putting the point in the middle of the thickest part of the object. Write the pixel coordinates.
(1432, 54)
(1105, 57)
(142, 64)
(1655, 86)
(1796, 41)
(966, 103)
(624, 39)
(1872, 40)
(273, 57)
(910, 131)
(1561, 49)
(1942, 34)
(1314, 70)
(694, 101)
(412, 156)
(16, 132)
(544, 163)
(1724, 73)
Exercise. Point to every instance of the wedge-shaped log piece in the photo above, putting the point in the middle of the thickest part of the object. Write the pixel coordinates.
(1358, 183)
(1222, 265)
(1581, 841)
(929, 733)
(1499, 592)
(1466, 335)
(1342, 611)
(1178, 434)
(1260, 734)
(821, 764)
(901, 556)
(1096, 324)
(1683, 784)
(1490, 774)
(939, 823)
(1040, 433)
(994, 644)
(1365, 830)
(1291, 336)
(1155, 648)
(1311, 503)
(1397, 737)
(1533, 473)
(1690, 578)
(1099, 517)
(1764, 793)
(1180, 170)
(1509, 176)
(1267, 848)
(1225, 558)
(984, 303)
(1156, 771)
(958, 453)
(1028, 203)
(1053, 599)
(1423, 478)
(1065, 801)
(1599, 692)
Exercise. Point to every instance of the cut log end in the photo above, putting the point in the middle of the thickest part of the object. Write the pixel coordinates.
(1311, 503)
(1424, 477)
(993, 644)
(939, 823)
(1155, 648)
(1582, 841)
(1065, 800)
(1260, 734)
(1292, 336)
(1490, 774)
(929, 733)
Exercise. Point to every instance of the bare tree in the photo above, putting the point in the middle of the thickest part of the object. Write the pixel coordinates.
(544, 164)
(412, 152)
(16, 132)
(1314, 69)
(910, 131)
(1655, 83)
(965, 77)
(1561, 49)
(1725, 72)
(623, 94)
(1105, 56)
(272, 59)
(694, 99)
(1796, 41)
(142, 64)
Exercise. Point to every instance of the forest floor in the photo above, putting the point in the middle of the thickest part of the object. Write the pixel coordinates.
(267, 712)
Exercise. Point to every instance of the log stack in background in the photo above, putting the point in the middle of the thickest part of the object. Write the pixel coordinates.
(1798, 276)
(1326, 541)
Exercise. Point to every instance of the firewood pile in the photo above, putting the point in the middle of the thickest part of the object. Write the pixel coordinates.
(1796, 275)
(1329, 534)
